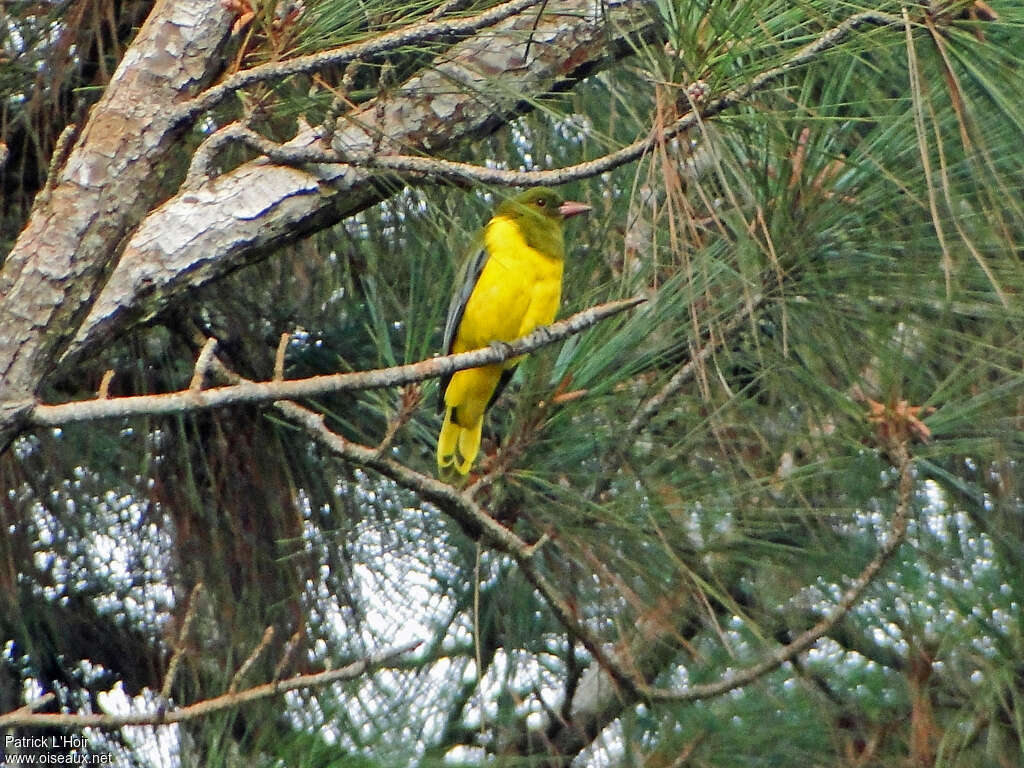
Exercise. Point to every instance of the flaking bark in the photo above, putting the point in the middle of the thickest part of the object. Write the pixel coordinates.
(110, 181)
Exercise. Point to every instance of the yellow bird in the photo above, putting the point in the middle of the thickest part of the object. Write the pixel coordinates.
(511, 284)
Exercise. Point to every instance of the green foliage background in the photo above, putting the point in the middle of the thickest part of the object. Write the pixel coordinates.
(856, 227)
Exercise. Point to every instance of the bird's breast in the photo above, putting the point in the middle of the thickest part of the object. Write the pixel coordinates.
(518, 289)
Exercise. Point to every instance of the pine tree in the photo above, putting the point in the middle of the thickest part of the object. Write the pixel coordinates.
(770, 515)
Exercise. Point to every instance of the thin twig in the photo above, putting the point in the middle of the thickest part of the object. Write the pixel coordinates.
(104, 390)
(410, 401)
(451, 6)
(181, 644)
(202, 365)
(249, 392)
(340, 104)
(35, 705)
(289, 650)
(282, 349)
(718, 336)
(18, 718)
(200, 168)
(268, 636)
(683, 759)
(477, 654)
(61, 150)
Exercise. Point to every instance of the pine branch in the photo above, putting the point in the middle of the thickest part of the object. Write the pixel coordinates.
(653, 404)
(581, 727)
(24, 717)
(439, 168)
(194, 399)
(461, 507)
(775, 659)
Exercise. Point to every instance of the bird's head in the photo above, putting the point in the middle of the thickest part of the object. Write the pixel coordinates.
(541, 201)
(539, 213)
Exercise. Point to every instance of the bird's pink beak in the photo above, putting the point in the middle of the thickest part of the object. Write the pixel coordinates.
(572, 208)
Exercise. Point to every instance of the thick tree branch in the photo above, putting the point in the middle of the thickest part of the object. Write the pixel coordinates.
(195, 399)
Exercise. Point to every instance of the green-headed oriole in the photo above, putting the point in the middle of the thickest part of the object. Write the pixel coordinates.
(510, 284)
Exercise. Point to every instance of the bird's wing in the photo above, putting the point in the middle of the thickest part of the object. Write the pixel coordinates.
(469, 275)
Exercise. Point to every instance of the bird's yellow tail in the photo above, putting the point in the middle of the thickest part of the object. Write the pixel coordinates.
(457, 446)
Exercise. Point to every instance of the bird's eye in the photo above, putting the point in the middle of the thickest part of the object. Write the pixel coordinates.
(542, 202)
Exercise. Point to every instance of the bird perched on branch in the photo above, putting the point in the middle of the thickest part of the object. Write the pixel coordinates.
(510, 285)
